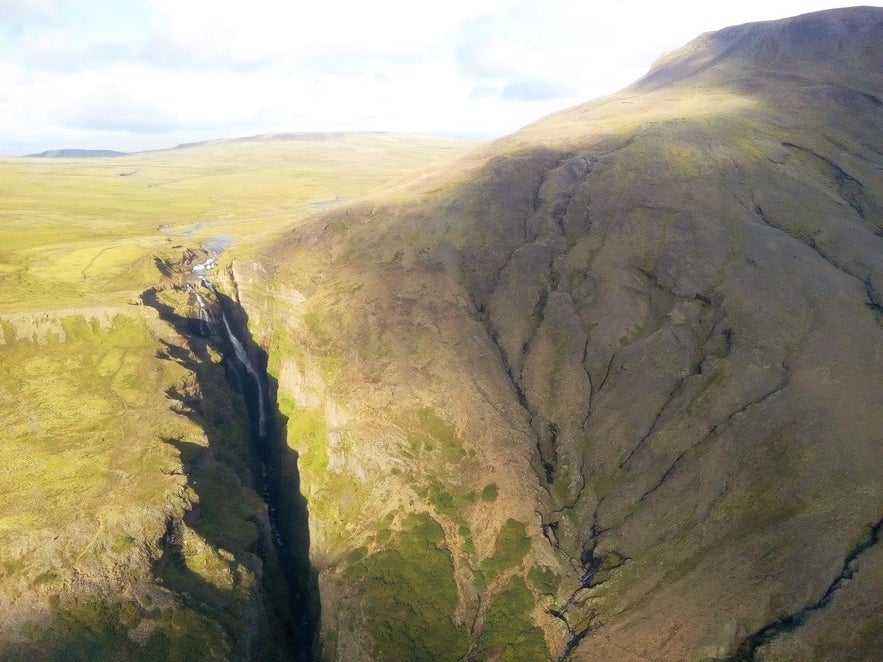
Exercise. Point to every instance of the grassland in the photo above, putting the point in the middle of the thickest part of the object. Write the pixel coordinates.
(108, 430)
(85, 231)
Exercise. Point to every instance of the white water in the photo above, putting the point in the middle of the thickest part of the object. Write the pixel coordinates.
(242, 355)
(208, 324)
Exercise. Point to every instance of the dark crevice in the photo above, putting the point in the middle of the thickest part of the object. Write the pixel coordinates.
(594, 563)
(550, 532)
(547, 444)
(606, 373)
(286, 506)
(865, 95)
(656, 419)
(290, 584)
(871, 302)
(592, 393)
(515, 382)
(576, 636)
(850, 190)
(747, 650)
(873, 297)
(581, 472)
(713, 431)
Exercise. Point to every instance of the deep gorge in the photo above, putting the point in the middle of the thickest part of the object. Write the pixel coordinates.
(250, 435)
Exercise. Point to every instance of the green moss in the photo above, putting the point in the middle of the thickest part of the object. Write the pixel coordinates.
(511, 547)
(122, 544)
(307, 434)
(449, 501)
(76, 328)
(321, 334)
(92, 631)
(444, 434)
(339, 500)
(411, 595)
(544, 580)
(509, 633)
(490, 492)
(357, 554)
(329, 647)
(467, 544)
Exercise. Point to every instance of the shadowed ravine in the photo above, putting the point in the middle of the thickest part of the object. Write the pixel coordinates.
(217, 322)
(292, 548)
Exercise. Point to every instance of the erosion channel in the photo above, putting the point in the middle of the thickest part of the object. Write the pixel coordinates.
(233, 400)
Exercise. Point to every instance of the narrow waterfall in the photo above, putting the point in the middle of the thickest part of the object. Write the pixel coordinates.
(268, 474)
(216, 324)
(205, 320)
(243, 358)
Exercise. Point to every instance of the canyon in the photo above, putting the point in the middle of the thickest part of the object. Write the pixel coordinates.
(608, 388)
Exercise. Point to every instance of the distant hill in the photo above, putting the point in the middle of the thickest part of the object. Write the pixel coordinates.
(75, 154)
(300, 136)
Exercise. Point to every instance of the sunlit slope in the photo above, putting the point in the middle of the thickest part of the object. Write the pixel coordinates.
(129, 528)
(84, 231)
(609, 388)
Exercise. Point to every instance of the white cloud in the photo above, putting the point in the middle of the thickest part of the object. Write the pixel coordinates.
(130, 74)
(29, 8)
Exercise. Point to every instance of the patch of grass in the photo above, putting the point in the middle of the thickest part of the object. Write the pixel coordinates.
(450, 502)
(89, 631)
(544, 580)
(410, 595)
(322, 334)
(468, 544)
(122, 544)
(509, 633)
(307, 434)
(443, 433)
(490, 492)
(339, 499)
(510, 549)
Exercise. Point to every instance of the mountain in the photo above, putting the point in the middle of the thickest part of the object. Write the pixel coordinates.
(608, 388)
(75, 154)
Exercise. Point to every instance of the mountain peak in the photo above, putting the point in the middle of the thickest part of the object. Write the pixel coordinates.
(825, 45)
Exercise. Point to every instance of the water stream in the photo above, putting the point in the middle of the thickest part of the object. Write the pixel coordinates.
(245, 361)
(268, 478)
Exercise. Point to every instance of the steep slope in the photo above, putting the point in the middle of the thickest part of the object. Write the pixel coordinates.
(609, 388)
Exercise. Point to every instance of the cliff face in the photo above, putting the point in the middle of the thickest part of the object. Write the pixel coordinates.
(609, 388)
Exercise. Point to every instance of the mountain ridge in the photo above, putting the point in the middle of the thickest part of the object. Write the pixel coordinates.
(834, 41)
(75, 154)
(637, 306)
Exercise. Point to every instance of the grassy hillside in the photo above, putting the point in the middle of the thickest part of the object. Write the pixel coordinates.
(128, 520)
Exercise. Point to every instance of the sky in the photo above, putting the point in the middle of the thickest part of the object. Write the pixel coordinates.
(147, 74)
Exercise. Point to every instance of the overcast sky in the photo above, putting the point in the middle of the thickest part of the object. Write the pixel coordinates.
(145, 74)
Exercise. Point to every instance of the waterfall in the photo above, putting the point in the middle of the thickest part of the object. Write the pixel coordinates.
(244, 359)
(269, 490)
(242, 356)
(208, 325)
(284, 510)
